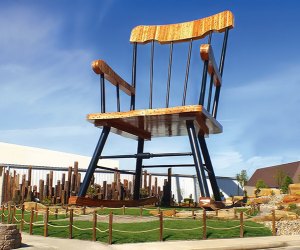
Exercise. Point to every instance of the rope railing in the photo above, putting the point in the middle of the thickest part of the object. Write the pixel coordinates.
(101, 231)
(183, 229)
(13, 215)
(223, 228)
(135, 232)
(82, 229)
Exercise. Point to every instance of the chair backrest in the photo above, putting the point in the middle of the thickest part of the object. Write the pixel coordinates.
(169, 36)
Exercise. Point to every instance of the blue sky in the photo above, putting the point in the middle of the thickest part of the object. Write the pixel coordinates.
(47, 85)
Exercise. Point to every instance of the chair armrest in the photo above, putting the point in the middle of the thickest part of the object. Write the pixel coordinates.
(207, 54)
(101, 67)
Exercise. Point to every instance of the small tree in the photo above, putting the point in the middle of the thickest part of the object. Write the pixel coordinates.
(242, 178)
(279, 177)
(285, 185)
(261, 184)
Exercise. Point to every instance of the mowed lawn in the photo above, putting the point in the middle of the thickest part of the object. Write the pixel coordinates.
(174, 229)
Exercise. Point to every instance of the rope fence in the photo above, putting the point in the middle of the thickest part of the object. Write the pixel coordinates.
(9, 214)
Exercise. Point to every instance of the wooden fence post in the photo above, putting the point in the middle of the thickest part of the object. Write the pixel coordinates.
(241, 225)
(273, 223)
(94, 225)
(22, 218)
(193, 214)
(46, 220)
(56, 213)
(9, 214)
(123, 211)
(2, 215)
(141, 211)
(31, 220)
(110, 228)
(36, 211)
(14, 215)
(71, 224)
(161, 226)
(235, 213)
(204, 232)
(84, 210)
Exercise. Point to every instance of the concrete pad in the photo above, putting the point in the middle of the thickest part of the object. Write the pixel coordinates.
(39, 242)
(34, 242)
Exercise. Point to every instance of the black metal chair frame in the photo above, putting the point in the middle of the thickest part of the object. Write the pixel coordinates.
(199, 150)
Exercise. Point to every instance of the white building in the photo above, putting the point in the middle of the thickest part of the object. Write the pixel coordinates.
(18, 158)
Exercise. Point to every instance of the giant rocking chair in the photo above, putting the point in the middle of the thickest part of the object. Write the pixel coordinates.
(197, 121)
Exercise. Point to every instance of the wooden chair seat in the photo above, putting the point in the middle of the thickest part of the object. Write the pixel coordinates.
(162, 122)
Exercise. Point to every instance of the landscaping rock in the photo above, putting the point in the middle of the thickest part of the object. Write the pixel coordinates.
(10, 237)
(287, 227)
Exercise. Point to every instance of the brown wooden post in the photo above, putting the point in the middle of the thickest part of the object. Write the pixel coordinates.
(84, 210)
(31, 220)
(110, 228)
(161, 226)
(56, 213)
(9, 214)
(36, 211)
(51, 184)
(71, 224)
(22, 218)
(235, 213)
(46, 220)
(14, 215)
(123, 210)
(141, 211)
(204, 232)
(41, 190)
(217, 212)
(193, 214)
(29, 175)
(2, 215)
(273, 223)
(94, 225)
(241, 224)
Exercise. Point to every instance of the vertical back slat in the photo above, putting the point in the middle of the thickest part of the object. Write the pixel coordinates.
(203, 85)
(169, 75)
(187, 72)
(133, 76)
(102, 87)
(204, 78)
(210, 92)
(118, 97)
(221, 67)
(151, 74)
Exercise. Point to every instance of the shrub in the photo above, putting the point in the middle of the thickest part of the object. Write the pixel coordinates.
(285, 186)
(261, 184)
(292, 206)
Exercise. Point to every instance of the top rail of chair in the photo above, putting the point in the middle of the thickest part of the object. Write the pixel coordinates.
(182, 32)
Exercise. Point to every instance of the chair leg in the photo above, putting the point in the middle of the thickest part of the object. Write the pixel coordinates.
(209, 166)
(197, 159)
(94, 161)
(138, 170)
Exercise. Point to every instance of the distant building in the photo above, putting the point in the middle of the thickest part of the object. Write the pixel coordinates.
(268, 174)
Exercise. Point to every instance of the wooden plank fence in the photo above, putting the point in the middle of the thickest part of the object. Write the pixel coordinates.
(18, 188)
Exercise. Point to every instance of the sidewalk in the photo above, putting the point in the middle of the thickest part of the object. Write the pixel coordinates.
(38, 242)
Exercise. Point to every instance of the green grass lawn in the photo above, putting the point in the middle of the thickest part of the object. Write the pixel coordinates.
(221, 228)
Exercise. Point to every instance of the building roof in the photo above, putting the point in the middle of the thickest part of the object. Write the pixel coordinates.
(268, 174)
(24, 155)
